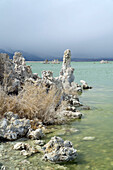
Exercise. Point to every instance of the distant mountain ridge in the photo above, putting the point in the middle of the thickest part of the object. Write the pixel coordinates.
(27, 56)
(4, 51)
(31, 57)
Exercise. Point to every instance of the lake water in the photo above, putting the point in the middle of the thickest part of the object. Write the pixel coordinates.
(97, 122)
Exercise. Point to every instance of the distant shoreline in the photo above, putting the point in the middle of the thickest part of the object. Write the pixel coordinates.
(34, 61)
(62, 61)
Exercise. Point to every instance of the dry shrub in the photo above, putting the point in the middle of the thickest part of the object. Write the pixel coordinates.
(32, 102)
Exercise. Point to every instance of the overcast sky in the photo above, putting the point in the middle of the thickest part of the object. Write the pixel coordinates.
(48, 27)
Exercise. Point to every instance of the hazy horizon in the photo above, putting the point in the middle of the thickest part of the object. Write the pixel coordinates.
(48, 27)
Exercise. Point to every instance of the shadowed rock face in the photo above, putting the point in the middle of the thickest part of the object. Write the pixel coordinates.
(7, 73)
(13, 73)
(2, 67)
(4, 63)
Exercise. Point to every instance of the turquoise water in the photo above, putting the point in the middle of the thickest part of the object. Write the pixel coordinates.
(97, 122)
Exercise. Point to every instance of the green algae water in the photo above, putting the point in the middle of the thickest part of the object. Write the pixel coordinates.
(97, 122)
(96, 154)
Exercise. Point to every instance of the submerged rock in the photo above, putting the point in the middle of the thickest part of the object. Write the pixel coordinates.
(25, 162)
(57, 150)
(88, 138)
(73, 115)
(25, 149)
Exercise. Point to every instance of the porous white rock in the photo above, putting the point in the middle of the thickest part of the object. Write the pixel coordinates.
(49, 80)
(66, 73)
(57, 150)
(19, 146)
(21, 68)
(12, 127)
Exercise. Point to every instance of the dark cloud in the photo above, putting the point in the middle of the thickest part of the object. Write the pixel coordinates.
(48, 27)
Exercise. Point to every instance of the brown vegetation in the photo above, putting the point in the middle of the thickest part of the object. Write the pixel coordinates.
(32, 102)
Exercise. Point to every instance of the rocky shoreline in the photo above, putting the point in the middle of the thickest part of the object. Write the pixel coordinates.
(14, 74)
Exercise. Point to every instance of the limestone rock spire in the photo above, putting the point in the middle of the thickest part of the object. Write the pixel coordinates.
(66, 74)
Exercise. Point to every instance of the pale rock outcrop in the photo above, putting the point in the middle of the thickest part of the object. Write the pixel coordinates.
(21, 68)
(47, 77)
(3, 167)
(35, 134)
(13, 73)
(73, 114)
(59, 151)
(72, 100)
(55, 61)
(85, 85)
(12, 127)
(49, 80)
(66, 74)
(68, 110)
(39, 142)
(72, 103)
(68, 113)
(36, 76)
(104, 62)
(25, 149)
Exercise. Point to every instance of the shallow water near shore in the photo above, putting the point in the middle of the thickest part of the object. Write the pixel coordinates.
(97, 122)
